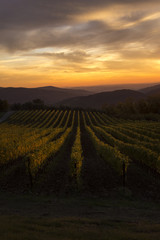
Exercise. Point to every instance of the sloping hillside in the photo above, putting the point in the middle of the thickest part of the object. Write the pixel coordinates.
(151, 90)
(100, 99)
(50, 95)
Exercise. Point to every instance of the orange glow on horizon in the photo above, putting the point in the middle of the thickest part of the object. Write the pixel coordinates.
(104, 44)
(77, 80)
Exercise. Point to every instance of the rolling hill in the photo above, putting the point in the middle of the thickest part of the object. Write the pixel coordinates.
(50, 95)
(75, 97)
(114, 87)
(100, 99)
(153, 90)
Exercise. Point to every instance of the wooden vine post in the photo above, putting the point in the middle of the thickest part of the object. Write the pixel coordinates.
(28, 163)
(124, 174)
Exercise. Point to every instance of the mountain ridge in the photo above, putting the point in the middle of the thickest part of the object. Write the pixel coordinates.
(50, 95)
(75, 97)
(152, 90)
(99, 99)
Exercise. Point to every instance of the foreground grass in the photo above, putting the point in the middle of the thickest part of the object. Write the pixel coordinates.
(30, 217)
(17, 228)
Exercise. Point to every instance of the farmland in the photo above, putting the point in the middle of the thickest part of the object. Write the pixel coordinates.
(63, 151)
(71, 174)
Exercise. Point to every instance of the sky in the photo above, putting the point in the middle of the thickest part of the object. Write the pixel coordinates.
(68, 43)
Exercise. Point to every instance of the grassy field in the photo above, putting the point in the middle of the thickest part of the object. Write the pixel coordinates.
(31, 217)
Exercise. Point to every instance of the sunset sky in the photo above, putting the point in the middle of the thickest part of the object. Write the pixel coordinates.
(79, 42)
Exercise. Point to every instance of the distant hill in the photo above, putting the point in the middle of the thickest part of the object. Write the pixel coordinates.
(100, 99)
(75, 97)
(151, 90)
(50, 95)
(114, 87)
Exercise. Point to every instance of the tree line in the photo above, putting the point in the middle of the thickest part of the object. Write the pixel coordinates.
(129, 108)
(4, 106)
(149, 105)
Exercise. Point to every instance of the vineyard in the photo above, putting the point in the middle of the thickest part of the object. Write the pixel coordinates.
(71, 150)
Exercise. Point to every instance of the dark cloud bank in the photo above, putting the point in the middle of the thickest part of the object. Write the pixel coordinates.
(26, 25)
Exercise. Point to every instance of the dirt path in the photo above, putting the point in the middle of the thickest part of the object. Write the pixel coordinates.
(96, 174)
(6, 115)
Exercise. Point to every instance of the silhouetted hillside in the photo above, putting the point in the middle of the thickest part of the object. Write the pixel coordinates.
(50, 95)
(151, 90)
(74, 97)
(100, 99)
(114, 87)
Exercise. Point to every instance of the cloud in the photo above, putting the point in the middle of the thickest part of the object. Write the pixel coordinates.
(88, 30)
(77, 56)
(47, 32)
(29, 14)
